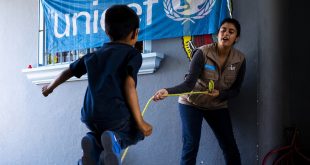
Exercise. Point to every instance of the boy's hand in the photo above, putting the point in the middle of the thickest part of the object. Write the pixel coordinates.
(160, 95)
(46, 90)
(145, 128)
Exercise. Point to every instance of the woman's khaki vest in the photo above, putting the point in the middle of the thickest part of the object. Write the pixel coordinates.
(222, 80)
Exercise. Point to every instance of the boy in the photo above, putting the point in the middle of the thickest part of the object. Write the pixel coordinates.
(110, 110)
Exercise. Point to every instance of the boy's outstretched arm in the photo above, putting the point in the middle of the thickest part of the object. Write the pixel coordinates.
(64, 76)
(132, 100)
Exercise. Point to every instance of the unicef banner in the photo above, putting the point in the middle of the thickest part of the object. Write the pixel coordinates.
(79, 24)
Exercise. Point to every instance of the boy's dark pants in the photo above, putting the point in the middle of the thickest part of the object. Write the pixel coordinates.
(219, 121)
(125, 131)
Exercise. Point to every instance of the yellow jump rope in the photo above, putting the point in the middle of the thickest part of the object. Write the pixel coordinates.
(210, 87)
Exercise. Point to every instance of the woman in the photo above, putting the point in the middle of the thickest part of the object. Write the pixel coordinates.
(225, 66)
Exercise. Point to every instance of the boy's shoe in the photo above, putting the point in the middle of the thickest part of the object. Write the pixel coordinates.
(91, 149)
(111, 149)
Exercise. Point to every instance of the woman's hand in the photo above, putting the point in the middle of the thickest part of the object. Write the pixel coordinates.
(214, 93)
(160, 95)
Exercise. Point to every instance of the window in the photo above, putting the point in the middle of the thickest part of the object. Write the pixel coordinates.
(50, 65)
(68, 56)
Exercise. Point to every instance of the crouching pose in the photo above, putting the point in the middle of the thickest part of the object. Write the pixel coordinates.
(110, 110)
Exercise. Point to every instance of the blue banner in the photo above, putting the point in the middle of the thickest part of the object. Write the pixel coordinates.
(79, 24)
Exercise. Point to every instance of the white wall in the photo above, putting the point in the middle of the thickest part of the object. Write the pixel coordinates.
(33, 129)
(46, 131)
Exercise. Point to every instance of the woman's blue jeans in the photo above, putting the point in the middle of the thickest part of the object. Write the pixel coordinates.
(220, 123)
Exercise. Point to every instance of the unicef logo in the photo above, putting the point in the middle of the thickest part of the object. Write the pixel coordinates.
(187, 10)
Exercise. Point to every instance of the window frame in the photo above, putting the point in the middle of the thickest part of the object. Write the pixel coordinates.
(41, 36)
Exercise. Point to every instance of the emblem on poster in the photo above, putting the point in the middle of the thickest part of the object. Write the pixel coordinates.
(187, 10)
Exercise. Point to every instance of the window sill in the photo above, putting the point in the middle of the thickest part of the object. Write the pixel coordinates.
(46, 74)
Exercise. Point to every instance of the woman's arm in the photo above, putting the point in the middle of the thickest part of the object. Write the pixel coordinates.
(195, 69)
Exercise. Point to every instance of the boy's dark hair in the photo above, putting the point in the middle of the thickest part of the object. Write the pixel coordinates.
(120, 21)
(234, 22)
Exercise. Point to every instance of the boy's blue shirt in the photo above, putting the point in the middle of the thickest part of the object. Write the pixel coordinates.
(107, 69)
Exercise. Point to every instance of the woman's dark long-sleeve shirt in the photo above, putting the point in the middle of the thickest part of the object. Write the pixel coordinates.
(196, 68)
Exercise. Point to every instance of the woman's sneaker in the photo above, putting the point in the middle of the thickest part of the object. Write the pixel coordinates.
(111, 149)
(91, 149)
